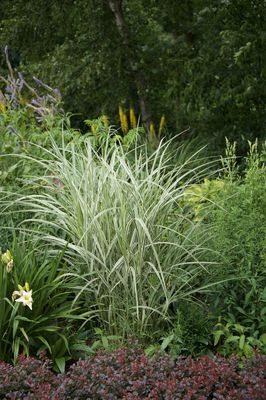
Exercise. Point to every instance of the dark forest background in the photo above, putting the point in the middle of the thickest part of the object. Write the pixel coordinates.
(202, 63)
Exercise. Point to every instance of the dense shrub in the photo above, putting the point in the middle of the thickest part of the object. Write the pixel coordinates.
(239, 231)
(30, 379)
(130, 374)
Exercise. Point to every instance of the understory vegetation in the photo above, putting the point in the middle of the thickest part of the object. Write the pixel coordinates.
(129, 251)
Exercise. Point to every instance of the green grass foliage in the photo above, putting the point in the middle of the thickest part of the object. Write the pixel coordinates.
(124, 231)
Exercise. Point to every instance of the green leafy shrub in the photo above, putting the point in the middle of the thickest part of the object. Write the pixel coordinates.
(239, 236)
(190, 333)
(196, 328)
(36, 298)
(234, 338)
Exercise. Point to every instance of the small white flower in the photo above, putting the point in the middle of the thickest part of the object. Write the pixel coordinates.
(25, 298)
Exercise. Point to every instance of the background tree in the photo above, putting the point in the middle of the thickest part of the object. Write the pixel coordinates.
(200, 62)
(223, 89)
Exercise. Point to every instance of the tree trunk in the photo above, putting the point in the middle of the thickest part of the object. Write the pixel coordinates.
(116, 8)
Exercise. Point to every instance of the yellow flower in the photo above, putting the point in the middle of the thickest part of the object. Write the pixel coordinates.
(152, 130)
(123, 119)
(132, 117)
(25, 298)
(162, 123)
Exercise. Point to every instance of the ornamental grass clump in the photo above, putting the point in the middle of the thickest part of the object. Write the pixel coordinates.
(120, 220)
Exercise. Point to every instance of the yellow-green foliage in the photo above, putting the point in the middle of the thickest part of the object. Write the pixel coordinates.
(198, 196)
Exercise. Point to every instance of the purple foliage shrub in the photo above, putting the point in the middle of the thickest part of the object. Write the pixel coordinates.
(130, 375)
(28, 379)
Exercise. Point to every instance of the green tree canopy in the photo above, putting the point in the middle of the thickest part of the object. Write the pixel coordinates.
(200, 62)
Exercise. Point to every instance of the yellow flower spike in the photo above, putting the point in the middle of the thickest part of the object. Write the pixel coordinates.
(123, 119)
(132, 118)
(125, 124)
(7, 257)
(162, 123)
(152, 130)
